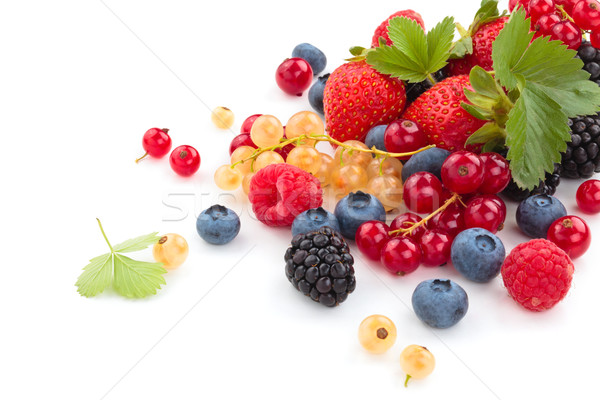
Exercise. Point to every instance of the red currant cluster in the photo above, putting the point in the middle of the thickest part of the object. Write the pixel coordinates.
(465, 197)
(563, 20)
(184, 160)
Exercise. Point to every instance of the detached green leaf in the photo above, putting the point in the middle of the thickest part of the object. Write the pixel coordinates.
(538, 133)
(138, 243)
(96, 276)
(137, 279)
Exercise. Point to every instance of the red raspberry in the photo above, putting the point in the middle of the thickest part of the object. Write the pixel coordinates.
(537, 274)
(382, 29)
(279, 192)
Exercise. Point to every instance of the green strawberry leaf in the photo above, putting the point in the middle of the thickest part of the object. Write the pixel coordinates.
(96, 276)
(537, 134)
(408, 37)
(461, 47)
(391, 61)
(484, 83)
(488, 12)
(137, 278)
(138, 243)
(489, 131)
(439, 42)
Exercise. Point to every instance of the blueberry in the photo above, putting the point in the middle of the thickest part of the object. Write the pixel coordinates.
(312, 55)
(477, 254)
(375, 137)
(218, 225)
(315, 94)
(429, 160)
(535, 214)
(356, 208)
(440, 303)
(313, 219)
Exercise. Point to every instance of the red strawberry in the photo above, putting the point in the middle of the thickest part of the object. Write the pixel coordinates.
(441, 116)
(482, 49)
(382, 29)
(358, 97)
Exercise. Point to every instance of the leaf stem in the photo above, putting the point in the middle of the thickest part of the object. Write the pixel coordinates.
(407, 231)
(104, 234)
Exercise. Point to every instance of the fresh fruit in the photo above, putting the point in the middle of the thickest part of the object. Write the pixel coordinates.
(357, 97)
(571, 234)
(382, 29)
(548, 186)
(356, 208)
(544, 24)
(294, 75)
(537, 274)
(586, 14)
(566, 4)
(350, 177)
(375, 137)
(185, 160)
(582, 158)
(389, 166)
(242, 156)
(267, 158)
(316, 93)
(279, 192)
(314, 219)
(243, 139)
(228, 178)
(478, 254)
(401, 255)
(568, 33)
(462, 172)
(246, 182)
(588, 196)
(222, 117)
(319, 265)
(405, 221)
(536, 213)
(324, 172)
(450, 220)
(306, 158)
(266, 131)
(422, 193)
(218, 224)
(440, 303)
(156, 143)
(417, 362)
(171, 250)
(440, 115)
(404, 136)
(595, 39)
(429, 160)
(414, 90)
(537, 8)
(485, 212)
(370, 237)
(496, 173)
(344, 156)
(315, 57)
(377, 334)
(304, 123)
(387, 189)
(590, 55)
(435, 246)
(248, 122)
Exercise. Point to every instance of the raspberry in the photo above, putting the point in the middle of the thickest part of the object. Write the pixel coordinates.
(279, 192)
(537, 274)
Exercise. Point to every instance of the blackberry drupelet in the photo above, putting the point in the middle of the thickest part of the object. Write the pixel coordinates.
(319, 265)
(414, 90)
(591, 60)
(582, 158)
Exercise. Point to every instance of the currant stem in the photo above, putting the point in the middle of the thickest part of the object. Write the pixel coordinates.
(141, 158)
(407, 231)
(104, 234)
(406, 381)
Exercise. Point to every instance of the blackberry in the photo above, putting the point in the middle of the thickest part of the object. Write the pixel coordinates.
(582, 158)
(548, 186)
(414, 90)
(319, 265)
(591, 60)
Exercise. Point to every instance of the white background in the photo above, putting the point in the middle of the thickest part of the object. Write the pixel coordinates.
(80, 82)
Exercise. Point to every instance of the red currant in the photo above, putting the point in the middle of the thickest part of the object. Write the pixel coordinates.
(498, 201)
(566, 4)
(371, 236)
(588, 196)
(544, 24)
(294, 76)
(422, 192)
(462, 172)
(405, 221)
(537, 8)
(401, 255)
(496, 173)
(248, 122)
(156, 143)
(595, 39)
(435, 245)
(185, 160)
(568, 33)
(571, 234)
(514, 4)
(450, 220)
(586, 14)
(285, 150)
(482, 212)
(243, 139)
(403, 136)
